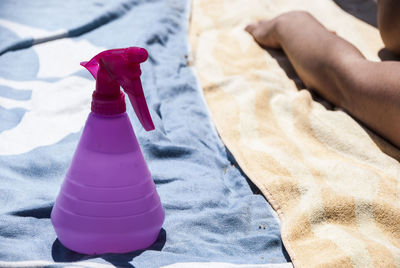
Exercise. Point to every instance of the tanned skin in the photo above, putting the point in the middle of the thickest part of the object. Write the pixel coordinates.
(336, 70)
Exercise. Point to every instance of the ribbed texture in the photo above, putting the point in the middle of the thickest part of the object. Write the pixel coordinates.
(109, 107)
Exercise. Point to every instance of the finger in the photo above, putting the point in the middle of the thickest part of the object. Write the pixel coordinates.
(250, 28)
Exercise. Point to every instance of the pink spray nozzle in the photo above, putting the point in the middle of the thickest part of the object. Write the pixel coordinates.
(112, 69)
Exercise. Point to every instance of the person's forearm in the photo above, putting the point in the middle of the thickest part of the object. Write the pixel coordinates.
(373, 96)
(318, 55)
(335, 69)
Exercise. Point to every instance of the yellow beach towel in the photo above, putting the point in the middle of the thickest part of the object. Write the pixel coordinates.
(334, 184)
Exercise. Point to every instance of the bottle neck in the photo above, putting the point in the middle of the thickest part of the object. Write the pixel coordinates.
(106, 106)
(107, 99)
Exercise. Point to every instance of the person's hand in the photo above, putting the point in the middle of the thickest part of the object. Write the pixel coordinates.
(264, 33)
(267, 33)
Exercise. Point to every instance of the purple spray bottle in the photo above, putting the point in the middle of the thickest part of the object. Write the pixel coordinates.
(108, 202)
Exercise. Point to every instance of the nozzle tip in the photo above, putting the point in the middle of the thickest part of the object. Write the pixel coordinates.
(137, 54)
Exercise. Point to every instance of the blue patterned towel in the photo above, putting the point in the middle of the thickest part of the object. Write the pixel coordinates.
(212, 214)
